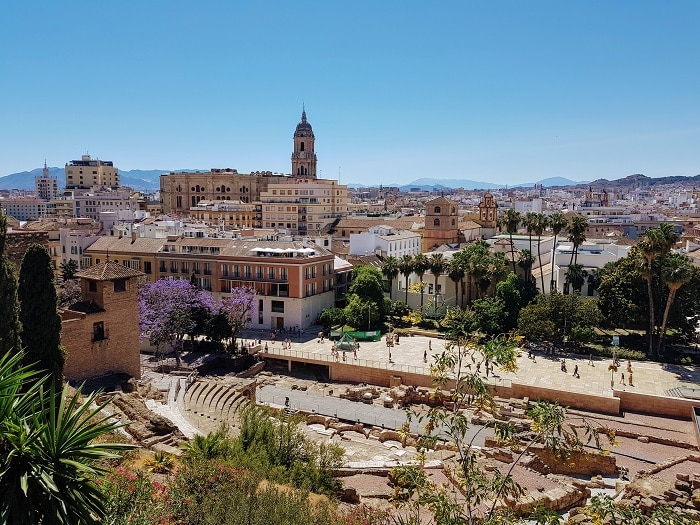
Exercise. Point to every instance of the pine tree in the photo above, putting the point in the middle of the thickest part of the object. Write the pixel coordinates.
(9, 306)
(41, 324)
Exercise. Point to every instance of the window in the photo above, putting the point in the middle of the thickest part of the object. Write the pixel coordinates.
(247, 272)
(98, 331)
(436, 222)
(120, 285)
(437, 209)
(147, 266)
(283, 274)
(271, 273)
(277, 307)
(258, 272)
(224, 270)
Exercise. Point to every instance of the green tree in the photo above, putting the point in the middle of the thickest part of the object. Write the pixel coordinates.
(421, 264)
(50, 454)
(575, 276)
(525, 261)
(510, 221)
(539, 223)
(554, 316)
(390, 269)
(406, 269)
(332, 317)
(10, 327)
(436, 265)
(557, 221)
(367, 283)
(479, 491)
(528, 222)
(69, 269)
(362, 312)
(455, 271)
(676, 272)
(41, 324)
(577, 227)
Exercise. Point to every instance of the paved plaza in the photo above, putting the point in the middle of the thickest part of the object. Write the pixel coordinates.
(545, 371)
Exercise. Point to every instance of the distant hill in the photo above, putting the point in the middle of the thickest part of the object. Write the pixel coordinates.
(427, 184)
(143, 180)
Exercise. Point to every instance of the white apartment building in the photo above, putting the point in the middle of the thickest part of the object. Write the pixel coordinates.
(46, 186)
(93, 204)
(74, 243)
(25, 208)
(385, 241)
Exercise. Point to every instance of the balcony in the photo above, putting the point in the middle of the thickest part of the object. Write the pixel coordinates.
(252, 279)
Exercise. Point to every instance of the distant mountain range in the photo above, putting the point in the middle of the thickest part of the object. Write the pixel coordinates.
(142, 180)
(426, 184)
(149, 181)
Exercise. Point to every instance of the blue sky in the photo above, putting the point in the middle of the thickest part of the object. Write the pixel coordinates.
(495, 91)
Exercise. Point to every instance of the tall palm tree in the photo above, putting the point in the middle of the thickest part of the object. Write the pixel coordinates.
(557, 221)
(677, 271)
(651, 246)
(406, 269)
(456, 271)
(437, 265)
(578, 225)
(539, 223)
(497, 270)
(475, 256)
(390, 269)
(420, 266)
(528, 222)
(510, 221)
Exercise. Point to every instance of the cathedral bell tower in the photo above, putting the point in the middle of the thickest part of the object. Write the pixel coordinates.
(304, 157)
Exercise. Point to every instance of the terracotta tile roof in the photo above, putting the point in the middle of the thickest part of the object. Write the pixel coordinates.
(108, 271)
(124, 245)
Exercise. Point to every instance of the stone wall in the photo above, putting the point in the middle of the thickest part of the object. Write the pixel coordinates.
(656, 405)
(117, 352)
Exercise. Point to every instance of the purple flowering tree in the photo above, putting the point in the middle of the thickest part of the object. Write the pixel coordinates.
(169, 309)
(239, 308)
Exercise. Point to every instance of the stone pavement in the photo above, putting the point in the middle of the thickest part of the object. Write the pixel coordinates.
(545, 371)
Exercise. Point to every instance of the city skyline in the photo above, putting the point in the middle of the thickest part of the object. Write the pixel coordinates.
(500, 92)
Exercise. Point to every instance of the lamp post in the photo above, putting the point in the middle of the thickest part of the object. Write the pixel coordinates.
(369, 315)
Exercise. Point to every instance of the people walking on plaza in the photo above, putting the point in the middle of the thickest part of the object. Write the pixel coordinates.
(629, 366)
(576, 371)
(390, 355)
(590, 360)
(430, 346)
(631, 384)
(425, 356)
(354, 353)
(265, 346)
(622, 378)
(563, 365)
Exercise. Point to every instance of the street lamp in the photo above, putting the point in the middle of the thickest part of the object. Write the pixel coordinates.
(369, 315)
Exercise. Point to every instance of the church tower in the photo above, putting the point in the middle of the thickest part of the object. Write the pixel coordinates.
(304, 157)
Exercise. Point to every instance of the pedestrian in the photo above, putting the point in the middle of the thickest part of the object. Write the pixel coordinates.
(354, 352)
(265, 346)
(622, 378)
(344, 356)
(425, 356)
(576, 371)
(286, 402)
(631, 384)
(430, 346)
(563, 365)
(390, 356)
(590, 360)
(629, 366)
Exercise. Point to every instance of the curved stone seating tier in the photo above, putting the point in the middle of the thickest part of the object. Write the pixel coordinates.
(213, 401)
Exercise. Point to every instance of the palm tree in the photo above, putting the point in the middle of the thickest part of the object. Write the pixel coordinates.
(576, 277)
(475, 260)
(528, 222)
(651, 246)
(510, 220)
(525, 260)
(497, 269)
(50, 458)
(539, 222)
(455, 271)
(437, 266)
(578, 225)
(557, 221)
(420, 266)
(390, 269)
(677, 271)
(406, 269)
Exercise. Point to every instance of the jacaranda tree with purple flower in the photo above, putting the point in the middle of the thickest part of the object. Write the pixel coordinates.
(169, 309)
(239, 308)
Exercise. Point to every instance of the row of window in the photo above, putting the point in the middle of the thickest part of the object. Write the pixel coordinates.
(272, 272)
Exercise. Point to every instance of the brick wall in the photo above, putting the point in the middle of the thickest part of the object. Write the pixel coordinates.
(656, 405)
(17, 242)
(118, 352)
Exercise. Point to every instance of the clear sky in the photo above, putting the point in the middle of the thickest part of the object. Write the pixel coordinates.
(496, 91)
